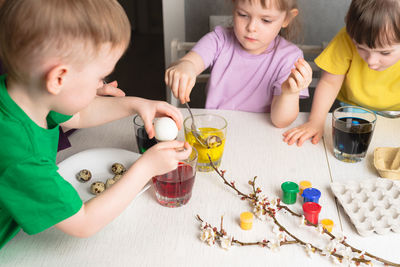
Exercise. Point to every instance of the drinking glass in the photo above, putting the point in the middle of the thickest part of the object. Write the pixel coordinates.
(174, 189)
(352, 129)
(212, 128)
(142, 139)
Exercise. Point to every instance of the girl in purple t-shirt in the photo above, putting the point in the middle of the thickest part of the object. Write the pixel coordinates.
(253, 68)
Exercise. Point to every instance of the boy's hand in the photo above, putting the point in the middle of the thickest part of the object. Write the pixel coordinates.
(181, 77)
(303, 132)
(149, 109)
(110, 89)
(299, 78)
(165, 156)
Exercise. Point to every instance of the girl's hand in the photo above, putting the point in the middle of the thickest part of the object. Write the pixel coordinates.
(149, 109)
(165, 156)
(299, 78)
(110, 89)
(304, 132)
(181, 77)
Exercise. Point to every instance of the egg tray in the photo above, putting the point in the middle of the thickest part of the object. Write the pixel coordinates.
(373, 205)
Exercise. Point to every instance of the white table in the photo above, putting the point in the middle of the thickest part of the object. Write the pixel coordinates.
(147, 234)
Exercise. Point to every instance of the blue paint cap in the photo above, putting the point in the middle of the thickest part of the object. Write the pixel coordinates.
(311, 195)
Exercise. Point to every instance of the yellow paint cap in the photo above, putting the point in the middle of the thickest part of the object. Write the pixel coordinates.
(246, 220)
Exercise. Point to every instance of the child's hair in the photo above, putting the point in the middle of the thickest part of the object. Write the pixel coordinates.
(374, 23)
(73, 30)
(293, 30)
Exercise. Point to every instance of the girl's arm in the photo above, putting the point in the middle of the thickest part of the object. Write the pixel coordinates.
(181, 75)
(285, 107)
(101, 210)
(105, 109)
(325, 94)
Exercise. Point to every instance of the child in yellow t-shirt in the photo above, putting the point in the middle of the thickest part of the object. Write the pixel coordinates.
(361, 66)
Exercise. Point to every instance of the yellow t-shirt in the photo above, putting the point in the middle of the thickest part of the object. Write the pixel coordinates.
(376, 90)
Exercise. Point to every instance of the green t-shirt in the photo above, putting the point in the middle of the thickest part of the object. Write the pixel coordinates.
(33, 196)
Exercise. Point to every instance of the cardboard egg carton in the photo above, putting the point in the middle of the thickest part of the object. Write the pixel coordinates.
(373, 205)
(387, 162)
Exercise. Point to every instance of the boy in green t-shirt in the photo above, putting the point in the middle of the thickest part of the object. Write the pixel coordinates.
(56, 54)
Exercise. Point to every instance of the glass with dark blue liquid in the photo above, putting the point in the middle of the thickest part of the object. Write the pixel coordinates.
(142, 139)
(352, 129)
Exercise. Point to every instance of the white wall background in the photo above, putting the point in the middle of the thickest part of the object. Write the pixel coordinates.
(322, 19)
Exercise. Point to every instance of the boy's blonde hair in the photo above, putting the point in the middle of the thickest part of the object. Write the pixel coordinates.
(374, 23)
(72, 30)
(293, 30)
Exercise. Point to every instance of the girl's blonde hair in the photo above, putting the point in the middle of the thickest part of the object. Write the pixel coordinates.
(75, 30)
(374, 23)
(293, 30)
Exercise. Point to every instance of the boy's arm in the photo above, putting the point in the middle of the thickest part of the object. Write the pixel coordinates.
(181, 75)
(285, 107)
(105, 109)
(101, 210)
(325, 94)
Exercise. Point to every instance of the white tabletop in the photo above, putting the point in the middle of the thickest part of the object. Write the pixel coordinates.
(147, 234)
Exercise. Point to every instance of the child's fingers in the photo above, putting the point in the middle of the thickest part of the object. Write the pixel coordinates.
(316, 139)
(290, 136)
(171, 144)
(293, 83)
(174, 85)
(295, 137)
(304, 69)
(172, 112)
(182, 88)
(184, 153)
(191, 83)
(303, 138)
(166, 78)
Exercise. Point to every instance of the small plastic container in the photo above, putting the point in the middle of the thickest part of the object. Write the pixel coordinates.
(289, 192)
(311, 195)
(311, 211)
(246, 220)
(327, 224)
(303, 185)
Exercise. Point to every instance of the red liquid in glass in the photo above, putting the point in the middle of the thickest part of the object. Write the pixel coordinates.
(175, 188)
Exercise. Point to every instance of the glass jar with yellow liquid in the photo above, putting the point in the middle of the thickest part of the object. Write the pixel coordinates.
(212, 130)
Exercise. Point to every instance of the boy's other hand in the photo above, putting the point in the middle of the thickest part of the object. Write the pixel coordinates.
(165, 156)
(149, 109)
(181, 77)
(304, 132)
(110, 89)
(299, 78)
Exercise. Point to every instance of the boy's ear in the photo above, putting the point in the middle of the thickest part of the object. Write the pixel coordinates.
(56, 78)
(290, 16)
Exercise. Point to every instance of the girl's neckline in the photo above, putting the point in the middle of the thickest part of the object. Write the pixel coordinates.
(271, 48)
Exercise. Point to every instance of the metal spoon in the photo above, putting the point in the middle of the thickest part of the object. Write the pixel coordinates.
(211, 140)
(194, 129)
(392, 114)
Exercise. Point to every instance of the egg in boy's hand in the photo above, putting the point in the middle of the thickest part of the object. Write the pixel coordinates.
(165, 129)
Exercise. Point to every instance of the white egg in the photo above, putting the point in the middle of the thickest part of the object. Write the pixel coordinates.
(165, 128)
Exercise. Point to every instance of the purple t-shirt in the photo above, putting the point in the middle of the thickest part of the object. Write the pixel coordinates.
(240, 80)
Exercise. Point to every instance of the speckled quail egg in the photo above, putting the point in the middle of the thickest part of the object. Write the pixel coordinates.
(118, 168)
(97, 187)
(110, 182)
(165, 128)
(84, 176)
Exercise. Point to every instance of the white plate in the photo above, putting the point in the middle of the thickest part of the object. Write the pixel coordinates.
(98, 161)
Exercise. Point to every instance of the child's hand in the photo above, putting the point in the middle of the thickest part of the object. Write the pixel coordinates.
(149, 109)
(110, 89)
(181, 77)
(303, 132)
(299, 78)
(165, 156)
